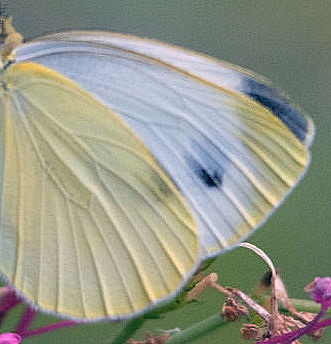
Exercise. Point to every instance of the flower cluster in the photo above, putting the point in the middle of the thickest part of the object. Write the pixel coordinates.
(320, 291)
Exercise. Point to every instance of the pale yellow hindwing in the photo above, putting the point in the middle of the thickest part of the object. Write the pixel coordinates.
(91, 227)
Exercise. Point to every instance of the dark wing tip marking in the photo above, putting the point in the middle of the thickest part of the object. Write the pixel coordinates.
(279, 106)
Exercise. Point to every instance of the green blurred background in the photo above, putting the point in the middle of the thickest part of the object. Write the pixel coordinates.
(289, 42)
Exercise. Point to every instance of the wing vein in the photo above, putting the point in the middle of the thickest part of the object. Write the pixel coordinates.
(138, 268)
(20, 201)
(42, 230)
(112, 257)
(75, 246)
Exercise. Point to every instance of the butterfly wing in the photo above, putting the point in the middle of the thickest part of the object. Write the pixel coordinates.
(232, 145)
(91, 227)
(199, 65)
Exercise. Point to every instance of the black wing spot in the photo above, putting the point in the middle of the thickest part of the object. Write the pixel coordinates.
(211, 177)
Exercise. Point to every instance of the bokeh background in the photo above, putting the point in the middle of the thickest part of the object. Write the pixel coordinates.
(287, 41)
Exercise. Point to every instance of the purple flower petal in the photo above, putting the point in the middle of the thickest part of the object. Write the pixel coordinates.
(10, 338)
(8, 299)
(321, 291)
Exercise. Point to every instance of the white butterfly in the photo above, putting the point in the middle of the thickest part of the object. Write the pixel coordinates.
(93, 224)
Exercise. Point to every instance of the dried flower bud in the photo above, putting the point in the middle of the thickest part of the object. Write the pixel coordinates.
(251, 331)
(232, 309)
(150, 339)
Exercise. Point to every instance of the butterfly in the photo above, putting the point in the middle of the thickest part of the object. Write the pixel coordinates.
(126, 162)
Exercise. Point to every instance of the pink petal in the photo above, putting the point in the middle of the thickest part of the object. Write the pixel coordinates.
(321, 291)
(10, 338)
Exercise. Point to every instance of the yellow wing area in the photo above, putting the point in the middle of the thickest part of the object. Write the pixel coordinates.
(91, 227)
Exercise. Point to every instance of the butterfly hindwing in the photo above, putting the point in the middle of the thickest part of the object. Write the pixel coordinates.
(91, 227)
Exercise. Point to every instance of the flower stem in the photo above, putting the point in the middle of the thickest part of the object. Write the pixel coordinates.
(304, 305)
(49, 328)
(321, 324)
(129, 329)
(25, 321)
(197, 330)
(8, 300)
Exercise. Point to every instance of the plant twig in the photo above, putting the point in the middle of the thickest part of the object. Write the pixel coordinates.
(130, 327)
(258, 309)
(49, 328)
(197, 330)
(26, 320)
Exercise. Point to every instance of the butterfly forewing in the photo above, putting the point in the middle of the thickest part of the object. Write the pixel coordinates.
(196, 64)
(232, 146)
